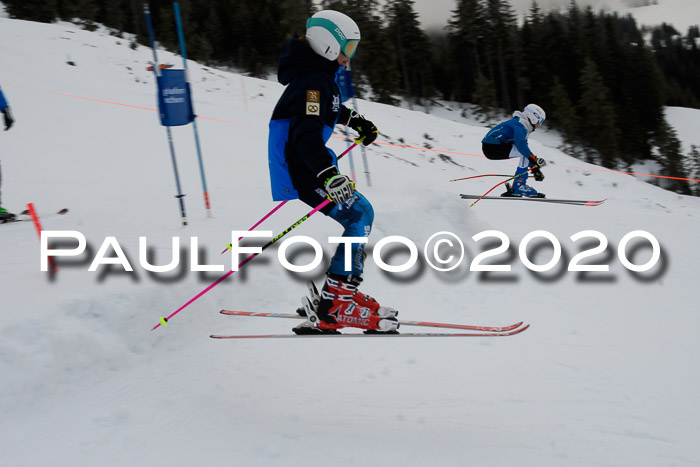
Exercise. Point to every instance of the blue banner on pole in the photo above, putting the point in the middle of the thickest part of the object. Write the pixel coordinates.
(345, 85)
(174, 101)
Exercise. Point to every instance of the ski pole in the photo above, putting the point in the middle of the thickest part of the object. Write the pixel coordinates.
(362, 148)
(352, 164)
(228, 245)
(157, 74)
(183, 51)
(164, 321)
(479, 176)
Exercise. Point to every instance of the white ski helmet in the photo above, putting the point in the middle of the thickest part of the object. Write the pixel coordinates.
(331, 32)
(534, 114)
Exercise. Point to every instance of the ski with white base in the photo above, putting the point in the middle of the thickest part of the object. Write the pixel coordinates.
(467, 327)
(410, 334)
(574, 202)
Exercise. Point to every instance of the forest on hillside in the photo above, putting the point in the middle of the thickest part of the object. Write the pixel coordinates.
(602, 79)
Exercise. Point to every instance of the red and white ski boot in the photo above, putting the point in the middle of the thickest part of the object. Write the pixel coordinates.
(338, 309)
(367, 301)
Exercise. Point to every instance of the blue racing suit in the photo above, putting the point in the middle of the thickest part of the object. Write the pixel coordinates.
(508, 140)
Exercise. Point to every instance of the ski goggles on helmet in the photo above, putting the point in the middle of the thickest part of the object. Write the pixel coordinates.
(350, 47)
(539, 119)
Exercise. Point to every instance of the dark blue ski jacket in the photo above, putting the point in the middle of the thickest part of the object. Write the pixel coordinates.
(303, 120)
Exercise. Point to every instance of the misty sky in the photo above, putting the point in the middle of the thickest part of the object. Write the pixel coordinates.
(435, 13)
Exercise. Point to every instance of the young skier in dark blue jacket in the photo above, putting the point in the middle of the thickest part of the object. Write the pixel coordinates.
(302, 167)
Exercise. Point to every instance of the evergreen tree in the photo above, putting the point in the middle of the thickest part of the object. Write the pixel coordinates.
(531, 67)
(378, 62)
(375, 60)
(294, 14)
(111, 14)
(598, 125)
(694, 168)
(562, 113)
(411, 48)
(485, 98)
(44, 11)
(679, 60)
(465, 38)
(500, 51)
(443, 68)
(164, 26)
(641, 94)
(671, 159)
(85, 10)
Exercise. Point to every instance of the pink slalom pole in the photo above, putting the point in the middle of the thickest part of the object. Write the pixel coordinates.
(285, 202)
(261, 220)
(164, 321)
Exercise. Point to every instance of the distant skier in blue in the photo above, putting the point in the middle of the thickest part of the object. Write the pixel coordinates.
(5, 109)
(508, 140)
(302, 167)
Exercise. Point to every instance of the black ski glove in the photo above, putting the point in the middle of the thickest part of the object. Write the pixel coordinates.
(537, 173)
(536, 163)
(364, 127)
(8, 118)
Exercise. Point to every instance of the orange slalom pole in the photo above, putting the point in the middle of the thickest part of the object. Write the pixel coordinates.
(37, 225)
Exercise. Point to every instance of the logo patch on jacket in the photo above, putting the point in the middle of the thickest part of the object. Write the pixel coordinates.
(313, 103)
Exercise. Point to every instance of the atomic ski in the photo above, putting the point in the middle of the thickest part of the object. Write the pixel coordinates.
(402, 323)
(574, 202)
(411, 334)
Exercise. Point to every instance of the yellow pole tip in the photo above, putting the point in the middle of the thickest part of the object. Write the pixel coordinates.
(164, 321)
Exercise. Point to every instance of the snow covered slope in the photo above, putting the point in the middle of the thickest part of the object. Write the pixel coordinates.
(606, 375)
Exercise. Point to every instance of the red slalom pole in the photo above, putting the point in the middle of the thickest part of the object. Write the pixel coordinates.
(479, 176)
(37, 225)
